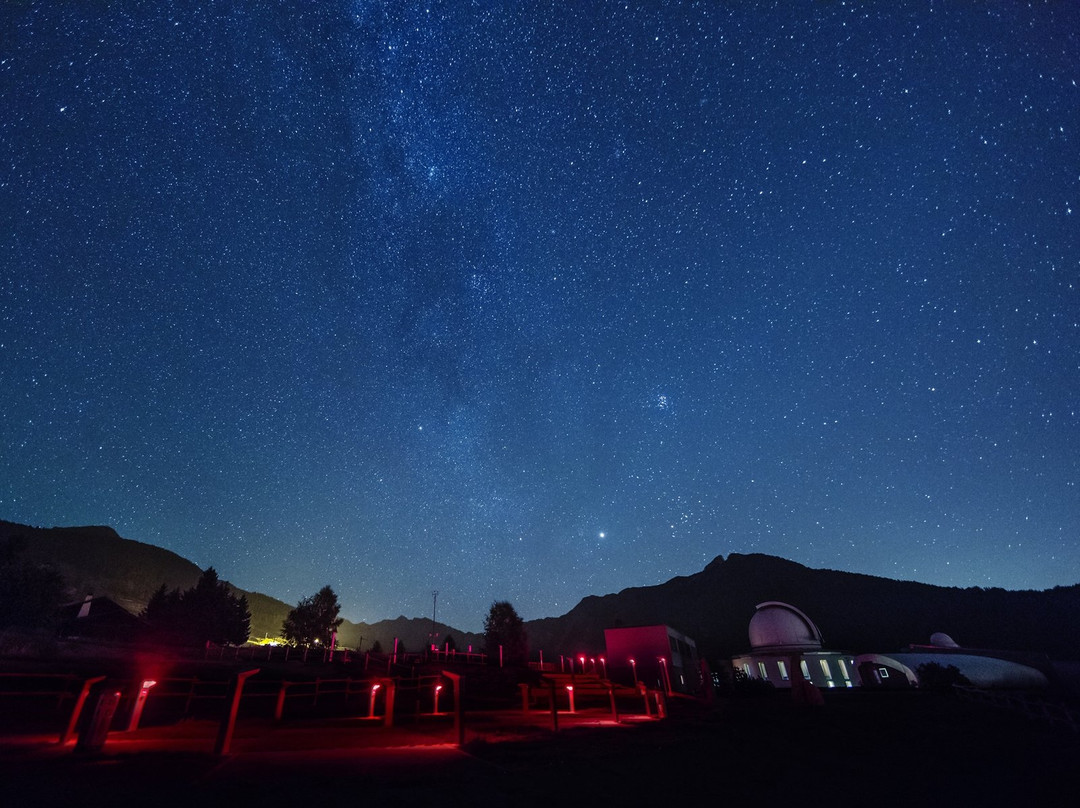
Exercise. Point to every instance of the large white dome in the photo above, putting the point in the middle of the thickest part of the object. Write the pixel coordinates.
(777, 624)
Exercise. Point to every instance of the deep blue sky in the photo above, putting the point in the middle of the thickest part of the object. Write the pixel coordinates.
(531, 301)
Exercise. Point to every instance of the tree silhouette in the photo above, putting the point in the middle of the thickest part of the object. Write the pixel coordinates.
(315, 619)
(208, 612)
(503, 627)
(30, 594)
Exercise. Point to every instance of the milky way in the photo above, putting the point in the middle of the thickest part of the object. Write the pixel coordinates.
(534, 301)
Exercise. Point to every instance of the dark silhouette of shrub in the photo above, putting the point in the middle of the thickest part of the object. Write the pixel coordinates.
(940, 678)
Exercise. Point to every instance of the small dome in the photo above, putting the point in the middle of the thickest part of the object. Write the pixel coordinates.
(942, 640)
(776, 624)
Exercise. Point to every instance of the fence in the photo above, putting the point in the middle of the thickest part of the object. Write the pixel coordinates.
(432, 701)
(1033, 706)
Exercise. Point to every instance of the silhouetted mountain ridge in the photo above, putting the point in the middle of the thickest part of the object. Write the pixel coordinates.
(97, 560)
(854, 611)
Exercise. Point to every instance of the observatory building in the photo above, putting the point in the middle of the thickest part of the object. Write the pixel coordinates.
(983, 668)
(785, 643)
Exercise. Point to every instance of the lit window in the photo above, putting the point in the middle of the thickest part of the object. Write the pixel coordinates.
(843, 670)
(746, 668)
(761, 669)
(825, 669)
(884, 672)
(805, 670)
(783, 669)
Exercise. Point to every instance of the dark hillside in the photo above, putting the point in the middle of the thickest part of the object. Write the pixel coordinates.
(856, 612)
(96, 560)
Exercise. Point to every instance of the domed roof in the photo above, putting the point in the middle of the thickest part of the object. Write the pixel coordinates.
(780, 625)
(943, 640)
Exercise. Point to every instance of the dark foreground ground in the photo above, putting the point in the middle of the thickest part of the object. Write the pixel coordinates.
(883, 749)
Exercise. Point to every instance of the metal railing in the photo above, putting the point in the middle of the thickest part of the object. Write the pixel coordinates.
(1035, 707)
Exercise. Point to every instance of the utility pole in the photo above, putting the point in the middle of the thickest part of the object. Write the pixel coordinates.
(434, 600)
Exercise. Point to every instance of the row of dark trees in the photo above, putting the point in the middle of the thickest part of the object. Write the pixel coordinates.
(315, 620)
(208, 612)
(30, 594)
(211, 612)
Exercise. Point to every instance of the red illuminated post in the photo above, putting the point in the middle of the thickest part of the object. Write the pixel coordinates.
(603, 667)
(665, 676)
(438, 690)
(279, 708)
(570, 692)
(614, 706)
(554, 707)
(228, 723)
(371, 703)
(633, 666)
(388, 712)
(582, 658)
(140, 702)
(77, 710)
(459, 716)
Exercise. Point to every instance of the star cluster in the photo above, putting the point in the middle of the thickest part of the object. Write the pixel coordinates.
(535, 301)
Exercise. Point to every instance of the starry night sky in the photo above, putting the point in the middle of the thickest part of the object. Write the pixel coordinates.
(531, 301)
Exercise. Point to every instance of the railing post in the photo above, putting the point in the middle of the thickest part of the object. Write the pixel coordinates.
(459, 713)
(388, 713)
(279, 708)
(190, 696)
(228, 722)
(76, 711)
(140, 702)
(614, 706)
(644, 691)
(93, 735)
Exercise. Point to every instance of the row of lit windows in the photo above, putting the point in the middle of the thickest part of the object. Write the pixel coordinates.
(826, 670)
